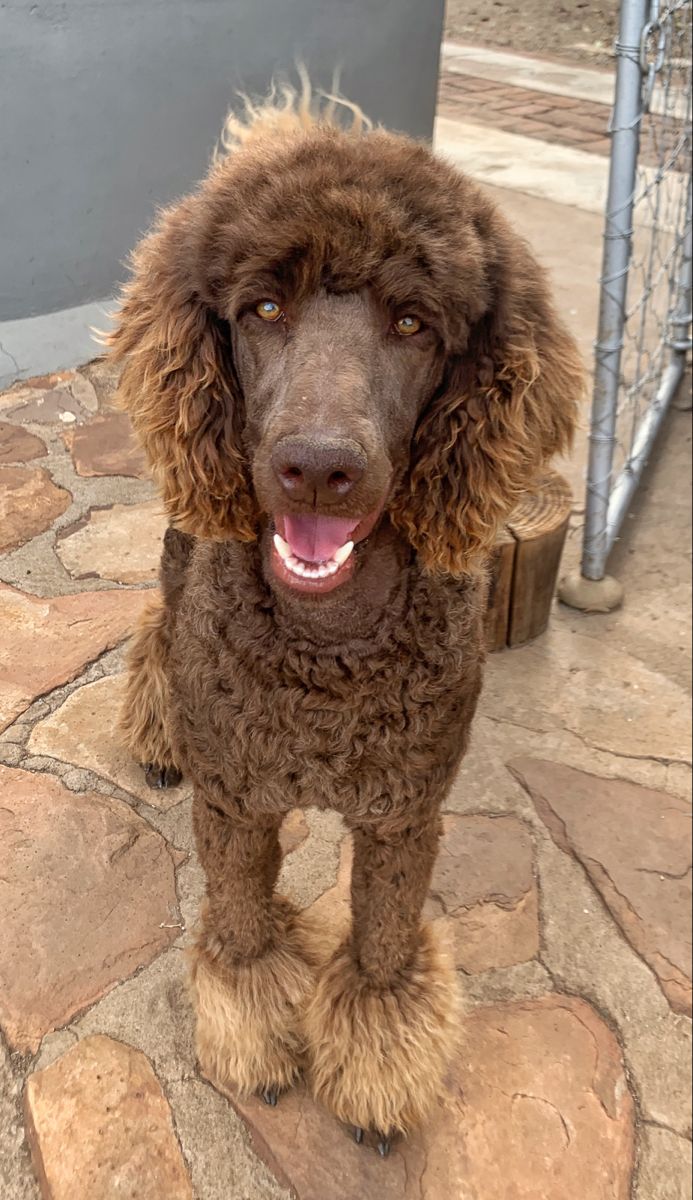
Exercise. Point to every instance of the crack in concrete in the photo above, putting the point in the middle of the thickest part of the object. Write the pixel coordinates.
(125, 846)
(665, 1129)
(408, 1176)
(611, 1115)
(664, 874)
(654, 952)
(13, 360)
(662, 760)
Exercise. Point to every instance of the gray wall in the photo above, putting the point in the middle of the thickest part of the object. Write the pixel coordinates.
(111, 107)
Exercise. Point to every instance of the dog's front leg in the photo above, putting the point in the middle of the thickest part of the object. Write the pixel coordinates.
(384, 1020)
(252, 967)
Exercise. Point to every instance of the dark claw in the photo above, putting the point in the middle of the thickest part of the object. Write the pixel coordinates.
(382, 1140)
(161, 777)
(270, 1096)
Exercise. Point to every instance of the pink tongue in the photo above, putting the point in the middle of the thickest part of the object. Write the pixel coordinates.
(315, 539)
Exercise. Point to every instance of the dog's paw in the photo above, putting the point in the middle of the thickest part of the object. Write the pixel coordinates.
(248, 1029)
(161, 777)
(378, 1056)
(382, 1141)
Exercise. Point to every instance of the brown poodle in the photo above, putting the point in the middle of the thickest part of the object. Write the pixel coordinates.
(344, 367)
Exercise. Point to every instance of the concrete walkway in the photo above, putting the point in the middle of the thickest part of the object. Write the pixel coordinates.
(564, 880)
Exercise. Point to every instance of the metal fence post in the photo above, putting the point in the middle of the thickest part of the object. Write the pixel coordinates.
(642, 336)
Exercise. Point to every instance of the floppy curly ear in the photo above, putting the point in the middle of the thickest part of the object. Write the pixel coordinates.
(179, 385)
(507, 404)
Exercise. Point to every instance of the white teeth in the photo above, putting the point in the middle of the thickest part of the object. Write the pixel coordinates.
(340, 556)
(283, 548)
(311, 571)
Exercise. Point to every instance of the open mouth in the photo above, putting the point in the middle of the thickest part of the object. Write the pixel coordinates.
(313, 553)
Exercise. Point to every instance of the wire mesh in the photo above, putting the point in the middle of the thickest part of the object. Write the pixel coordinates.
(644, 329)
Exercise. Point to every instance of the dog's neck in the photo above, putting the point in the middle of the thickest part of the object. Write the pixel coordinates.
(375, 596)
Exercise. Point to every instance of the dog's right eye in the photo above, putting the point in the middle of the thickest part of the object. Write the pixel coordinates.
(408, 325)
(269, 311)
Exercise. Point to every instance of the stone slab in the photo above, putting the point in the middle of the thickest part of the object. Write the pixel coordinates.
(84, 731)
(106, 446)
(100, 1127)
(569, 681)
(45, 642)
(635, 844)
(122, 543)
(665, 1166)
(484, 881)
(55, 406)
(29, 503)
(537, 1106)
(87, 895)
(30, 389)
(83, 391)
(17, 445)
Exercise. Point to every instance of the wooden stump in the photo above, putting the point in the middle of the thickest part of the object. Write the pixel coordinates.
(526, 562)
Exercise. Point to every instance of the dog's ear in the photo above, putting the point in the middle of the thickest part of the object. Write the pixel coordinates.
(506, 405)
(179, 385)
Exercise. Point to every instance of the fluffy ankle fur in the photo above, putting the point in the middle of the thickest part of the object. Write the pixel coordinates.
(248, 1033)
(378, 1057)
(144, 718)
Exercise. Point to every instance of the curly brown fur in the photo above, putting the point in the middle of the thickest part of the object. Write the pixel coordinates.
(379, 1055)
(483, 441)
(353, 690)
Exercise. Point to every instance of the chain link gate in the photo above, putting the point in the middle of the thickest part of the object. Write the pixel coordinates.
(645, 301)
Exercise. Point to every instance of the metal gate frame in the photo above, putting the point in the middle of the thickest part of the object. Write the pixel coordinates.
(645, 66)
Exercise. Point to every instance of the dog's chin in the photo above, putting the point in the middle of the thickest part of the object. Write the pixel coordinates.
(319, 564)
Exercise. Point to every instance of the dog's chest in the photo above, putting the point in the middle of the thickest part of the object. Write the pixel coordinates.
(280, 723)
(359, 732)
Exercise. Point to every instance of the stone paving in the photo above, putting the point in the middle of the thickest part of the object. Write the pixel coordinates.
(564, 880)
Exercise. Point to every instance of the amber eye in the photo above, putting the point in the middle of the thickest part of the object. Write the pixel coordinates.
(408, 325)
(268, 310)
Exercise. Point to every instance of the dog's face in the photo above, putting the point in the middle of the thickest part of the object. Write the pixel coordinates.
(333, 386)
(334, 327)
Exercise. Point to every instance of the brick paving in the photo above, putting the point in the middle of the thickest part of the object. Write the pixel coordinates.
(549, 117)
(565, 120)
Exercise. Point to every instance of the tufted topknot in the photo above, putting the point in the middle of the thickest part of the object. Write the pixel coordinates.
(287, 111)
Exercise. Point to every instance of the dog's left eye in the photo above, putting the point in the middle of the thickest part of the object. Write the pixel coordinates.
(407, 325)
(268, 310)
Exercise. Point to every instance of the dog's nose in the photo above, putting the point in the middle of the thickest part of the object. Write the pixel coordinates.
(321, 469)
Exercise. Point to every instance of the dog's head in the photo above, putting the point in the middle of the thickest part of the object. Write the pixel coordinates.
(334, 326)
